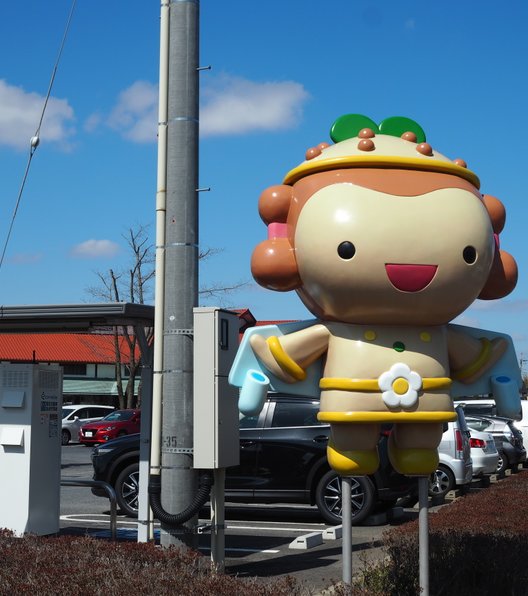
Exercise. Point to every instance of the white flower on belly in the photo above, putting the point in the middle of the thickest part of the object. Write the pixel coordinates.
(400, 386)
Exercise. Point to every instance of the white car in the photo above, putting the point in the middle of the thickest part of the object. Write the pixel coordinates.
(455, 467)
(522, 424)
(74, 416)
(483, 453)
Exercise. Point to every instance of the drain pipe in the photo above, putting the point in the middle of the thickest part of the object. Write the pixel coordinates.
(173, 520)
(161, 209)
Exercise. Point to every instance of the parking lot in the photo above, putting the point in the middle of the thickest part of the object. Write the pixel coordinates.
(257, 537)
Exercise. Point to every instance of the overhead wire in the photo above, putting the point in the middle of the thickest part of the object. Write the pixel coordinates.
(35, 139)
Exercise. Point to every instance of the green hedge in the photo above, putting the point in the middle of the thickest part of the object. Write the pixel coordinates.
(82, 566)
(477, 545)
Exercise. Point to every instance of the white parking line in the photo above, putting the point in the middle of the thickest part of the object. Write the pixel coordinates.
(105, 517)
(204, 548)
(274, 529)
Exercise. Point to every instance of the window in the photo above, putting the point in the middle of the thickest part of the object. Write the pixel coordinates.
(480, 409)
(83, 414)
(479, 424)
(99, 412)
(120, 416)
(67, 411)
(77, 370)
(295, 414)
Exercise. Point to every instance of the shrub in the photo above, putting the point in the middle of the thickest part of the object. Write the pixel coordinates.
(477, 545)
(81, 565)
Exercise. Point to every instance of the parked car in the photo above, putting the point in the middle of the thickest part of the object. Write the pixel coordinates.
(522, 424)
(74, 416)
(455, 466)
(488, 407)
(484, 454)
(282, 459)
(507, 436)
(116, 424)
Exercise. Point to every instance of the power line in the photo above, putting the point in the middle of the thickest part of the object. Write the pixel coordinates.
(35, 139)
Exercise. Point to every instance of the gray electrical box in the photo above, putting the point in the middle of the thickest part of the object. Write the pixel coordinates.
(216, 435)
(30, 447)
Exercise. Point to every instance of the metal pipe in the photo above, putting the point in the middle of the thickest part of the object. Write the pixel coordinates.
(111, 496)
(161, 209)
(346, 513)
(218, 521)
(179, 479)
(145, 519)
(423, 533)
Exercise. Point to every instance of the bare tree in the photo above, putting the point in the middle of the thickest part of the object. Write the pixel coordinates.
(132, 284)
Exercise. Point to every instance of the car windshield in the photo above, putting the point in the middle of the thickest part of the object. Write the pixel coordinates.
(120, 415)
(67, 411)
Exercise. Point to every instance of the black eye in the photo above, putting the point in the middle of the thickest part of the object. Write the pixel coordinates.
(469, 254)
(346, 250)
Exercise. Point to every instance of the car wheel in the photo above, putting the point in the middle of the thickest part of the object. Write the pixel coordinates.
(502, 464)
(65, 436)
(127, 490)
(441, 482)
(329, 503)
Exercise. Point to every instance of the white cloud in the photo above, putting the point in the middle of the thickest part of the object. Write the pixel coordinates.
(92, 122)
(136, 112)
(26, 258)
(93, 249)
(234, 105)
(20, 113)
(231, 105)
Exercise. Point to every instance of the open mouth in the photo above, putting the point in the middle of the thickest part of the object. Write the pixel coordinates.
(410, 278)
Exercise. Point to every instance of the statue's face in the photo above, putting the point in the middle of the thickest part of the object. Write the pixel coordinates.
(369, 256)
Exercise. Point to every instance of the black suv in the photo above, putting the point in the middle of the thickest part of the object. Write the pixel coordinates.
(282, 459)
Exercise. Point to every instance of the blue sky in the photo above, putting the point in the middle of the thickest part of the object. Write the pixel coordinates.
(290, 68)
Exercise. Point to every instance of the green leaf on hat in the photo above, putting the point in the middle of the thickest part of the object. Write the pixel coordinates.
(395, 126)
(349, 125)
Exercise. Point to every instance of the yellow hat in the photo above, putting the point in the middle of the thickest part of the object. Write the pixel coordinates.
(396, 143)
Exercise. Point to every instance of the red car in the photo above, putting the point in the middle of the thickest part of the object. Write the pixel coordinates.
(116, 424)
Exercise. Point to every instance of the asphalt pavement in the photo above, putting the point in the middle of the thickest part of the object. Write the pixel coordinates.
(265, 541)
(258, 538)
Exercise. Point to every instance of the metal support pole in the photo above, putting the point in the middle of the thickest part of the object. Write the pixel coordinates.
(109, 491)
(423, 533)
(145, 519)
(346, 512)
(218, 521)
(179, 480)
(161, 210)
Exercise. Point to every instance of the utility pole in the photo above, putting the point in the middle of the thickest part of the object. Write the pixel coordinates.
(178, 478)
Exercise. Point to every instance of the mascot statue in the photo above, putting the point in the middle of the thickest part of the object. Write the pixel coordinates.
(385, 241)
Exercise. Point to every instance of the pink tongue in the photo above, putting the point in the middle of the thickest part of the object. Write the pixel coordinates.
(410, 278)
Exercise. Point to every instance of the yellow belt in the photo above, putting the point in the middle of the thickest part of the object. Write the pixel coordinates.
(371, 385)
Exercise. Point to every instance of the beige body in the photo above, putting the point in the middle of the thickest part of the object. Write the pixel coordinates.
(364, 353)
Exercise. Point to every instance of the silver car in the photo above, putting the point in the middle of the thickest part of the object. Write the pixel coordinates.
(483, 452)
(74, 416)
(455, 467)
